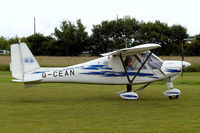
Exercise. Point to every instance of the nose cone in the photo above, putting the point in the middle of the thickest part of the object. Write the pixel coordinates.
(186, 64)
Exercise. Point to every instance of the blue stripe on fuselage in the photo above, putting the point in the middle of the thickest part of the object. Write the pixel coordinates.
(116, 74)
(97, 67)
(172, 70)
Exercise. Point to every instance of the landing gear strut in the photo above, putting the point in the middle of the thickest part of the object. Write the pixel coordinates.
(129, 87)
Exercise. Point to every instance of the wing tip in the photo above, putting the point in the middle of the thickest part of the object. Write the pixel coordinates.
(158, 45)
(152, 44)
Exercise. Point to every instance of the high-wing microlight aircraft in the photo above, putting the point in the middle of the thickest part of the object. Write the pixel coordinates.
(126, 66)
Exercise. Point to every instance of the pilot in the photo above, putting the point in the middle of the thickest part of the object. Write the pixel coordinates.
(128, 63)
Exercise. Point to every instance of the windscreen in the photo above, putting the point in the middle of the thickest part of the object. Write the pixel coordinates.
(154, 62)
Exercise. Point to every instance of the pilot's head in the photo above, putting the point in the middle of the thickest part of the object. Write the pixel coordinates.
(128, 61)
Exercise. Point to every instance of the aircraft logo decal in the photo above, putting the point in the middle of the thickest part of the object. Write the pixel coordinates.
(28, 60)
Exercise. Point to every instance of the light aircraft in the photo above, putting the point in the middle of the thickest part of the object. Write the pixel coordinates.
(126, 66)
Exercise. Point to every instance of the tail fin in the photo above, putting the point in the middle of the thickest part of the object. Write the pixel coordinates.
(22, 61)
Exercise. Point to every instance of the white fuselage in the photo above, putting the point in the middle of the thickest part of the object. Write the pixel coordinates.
(107, 70)
(124, 66)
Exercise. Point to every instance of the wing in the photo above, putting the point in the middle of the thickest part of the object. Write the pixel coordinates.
(133, 50)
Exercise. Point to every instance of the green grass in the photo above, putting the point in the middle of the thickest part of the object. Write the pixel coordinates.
(4, 67)
(60, 108)
(192, 69)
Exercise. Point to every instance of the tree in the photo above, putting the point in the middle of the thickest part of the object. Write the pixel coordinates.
(197, 37)
(156, 32)
(193, 49)
(4, 44)
(111, 35)
(71, 39)
(40, 44)
(178, 34)
(14, 40)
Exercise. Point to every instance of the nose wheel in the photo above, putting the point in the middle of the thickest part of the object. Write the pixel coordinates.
(174, 97)
(172, 93)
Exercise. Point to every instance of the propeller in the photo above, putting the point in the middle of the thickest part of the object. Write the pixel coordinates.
(182, 55)
(184, 63)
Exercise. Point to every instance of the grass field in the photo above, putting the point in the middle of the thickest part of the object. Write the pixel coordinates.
(61, 108)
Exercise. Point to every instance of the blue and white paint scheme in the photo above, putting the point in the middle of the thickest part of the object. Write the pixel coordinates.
(109, 69)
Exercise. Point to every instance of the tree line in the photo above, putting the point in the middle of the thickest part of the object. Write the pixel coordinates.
(72, 39)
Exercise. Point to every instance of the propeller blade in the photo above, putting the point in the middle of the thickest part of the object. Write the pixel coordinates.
(182, 55)
(182, 52)
(182, 72)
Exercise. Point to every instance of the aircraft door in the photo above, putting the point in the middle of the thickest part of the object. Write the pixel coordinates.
(153, 63)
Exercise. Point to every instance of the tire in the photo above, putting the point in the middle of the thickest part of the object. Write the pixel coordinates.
(174, 97)
(177, 96)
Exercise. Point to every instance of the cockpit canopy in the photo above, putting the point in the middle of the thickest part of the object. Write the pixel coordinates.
(134, 62)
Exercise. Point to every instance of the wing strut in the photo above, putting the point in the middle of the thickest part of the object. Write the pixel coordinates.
(125, 69)
(141, 67)
(120, 55)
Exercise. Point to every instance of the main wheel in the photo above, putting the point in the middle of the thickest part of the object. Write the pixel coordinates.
(177, 96)
(174, 97)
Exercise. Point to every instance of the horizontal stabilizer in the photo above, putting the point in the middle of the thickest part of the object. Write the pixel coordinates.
(29, 78)
(133, 50)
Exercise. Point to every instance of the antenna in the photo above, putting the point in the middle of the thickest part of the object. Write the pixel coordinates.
(126, 43)
(34, 26)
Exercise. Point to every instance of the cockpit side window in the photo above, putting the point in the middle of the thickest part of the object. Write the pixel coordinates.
(154, 62)
(133, 63)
